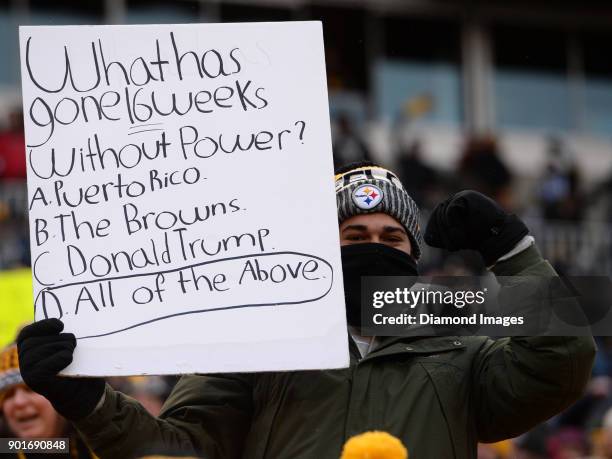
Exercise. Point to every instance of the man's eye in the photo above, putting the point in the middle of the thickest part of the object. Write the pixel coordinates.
(354, 237)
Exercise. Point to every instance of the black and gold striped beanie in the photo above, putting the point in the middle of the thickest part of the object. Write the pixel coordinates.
(9, 369)
(369, 189)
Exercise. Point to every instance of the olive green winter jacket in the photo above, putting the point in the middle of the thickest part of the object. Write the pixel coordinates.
(440, 396)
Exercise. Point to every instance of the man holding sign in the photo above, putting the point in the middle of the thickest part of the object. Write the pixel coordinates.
(133, 240)
(439, 395)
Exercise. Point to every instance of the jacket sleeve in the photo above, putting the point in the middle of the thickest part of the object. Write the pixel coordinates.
(520, 382)
(204, 415)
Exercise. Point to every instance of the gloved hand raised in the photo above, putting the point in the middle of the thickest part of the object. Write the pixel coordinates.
(471, 220)
(43, 352)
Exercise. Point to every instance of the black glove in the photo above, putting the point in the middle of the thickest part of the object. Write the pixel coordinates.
(471, 220)
(43, 352)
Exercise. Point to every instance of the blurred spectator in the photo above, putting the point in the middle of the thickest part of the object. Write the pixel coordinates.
(568, 443)
(348, 147)
(29, 415)
(603, 359)
(560, 186)
(482, 169)
(605, 437)
(419, 178)
(532, 445)
(487, 452)
(602, 195)
(12, 148)
(150, 391)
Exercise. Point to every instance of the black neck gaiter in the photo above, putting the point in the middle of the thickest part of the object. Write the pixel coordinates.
(370, 259)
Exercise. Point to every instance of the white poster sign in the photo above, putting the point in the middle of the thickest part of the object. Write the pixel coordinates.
(182, 210)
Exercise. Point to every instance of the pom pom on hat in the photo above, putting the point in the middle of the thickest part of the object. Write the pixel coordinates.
(9, 369)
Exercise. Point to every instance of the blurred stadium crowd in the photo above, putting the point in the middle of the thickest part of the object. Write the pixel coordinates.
(482, 101)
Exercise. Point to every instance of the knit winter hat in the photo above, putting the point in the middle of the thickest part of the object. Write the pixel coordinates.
(9, 370)
(365, 189)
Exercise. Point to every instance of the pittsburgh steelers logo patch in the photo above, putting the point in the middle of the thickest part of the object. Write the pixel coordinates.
(367, 196)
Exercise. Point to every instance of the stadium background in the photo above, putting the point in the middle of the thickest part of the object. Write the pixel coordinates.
(513, 98)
